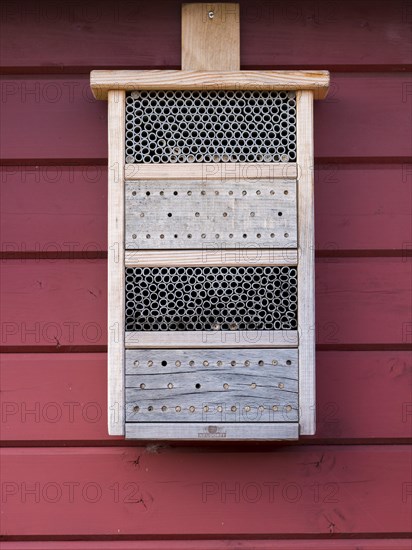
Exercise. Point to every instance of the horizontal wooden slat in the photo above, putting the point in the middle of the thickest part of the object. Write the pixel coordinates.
(215, 256)
(53, 303)
(212, 386)
(212, 171)
(212, 339)
(227, 431)
(272, 33)
(53, 209)
(363, 301)
(241, 544)
(48, 397)
(64, 208)
(132, 491)
(63, 303)
(363, 207)
(364, 117)
(103, 81)
(201, 214)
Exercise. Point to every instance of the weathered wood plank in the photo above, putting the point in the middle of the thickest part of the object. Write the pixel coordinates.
(212, 386)
(103, 81)
(133, 489)
(212, 339)
(214, 257)
(203, 214)
(210, 37)
(306, 263)
(227, 431)
(115, 263)
(212, 171)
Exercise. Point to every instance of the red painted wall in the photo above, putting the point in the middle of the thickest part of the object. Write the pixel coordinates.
(65, 483)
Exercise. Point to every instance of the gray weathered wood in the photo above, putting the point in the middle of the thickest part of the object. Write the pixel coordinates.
(217, 256)
(219, 385)
(212, 171)
(200, 214)
(216, 431)
(115, 264)
(213, 339)
(306, 263)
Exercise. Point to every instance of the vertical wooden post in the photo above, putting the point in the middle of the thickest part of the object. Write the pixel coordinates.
(115, 311)
(210, 37)
(306, 263)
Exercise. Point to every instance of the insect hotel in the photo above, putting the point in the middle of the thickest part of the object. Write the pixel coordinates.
(211, 243)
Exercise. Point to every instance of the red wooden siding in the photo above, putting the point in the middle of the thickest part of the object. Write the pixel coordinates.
(62, 397)
(74, 125)
(36, 200)
(58, 303)
(127, 490)
(349, 486)
(350, 35)
(257, 544)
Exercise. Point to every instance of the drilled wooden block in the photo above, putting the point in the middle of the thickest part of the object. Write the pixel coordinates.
(201, 213)
(259, 385)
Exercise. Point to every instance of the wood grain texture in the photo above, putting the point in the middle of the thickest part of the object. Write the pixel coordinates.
(210, 386)
(200, 214)
(210, 37)
(360, 396)
(363, 300)
(364, 117)
(212, 339)
(115, 263)
(227, 431)
(306, 263)
(363, 207)
(64, 208)
(272, 35)
(215, 256)
(242, 544)
(103, 81)
(358, 301)
(53, 209)
(53, 303)
(133, 489)
(212, 171)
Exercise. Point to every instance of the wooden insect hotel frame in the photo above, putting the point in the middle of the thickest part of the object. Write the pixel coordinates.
(211, 242)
